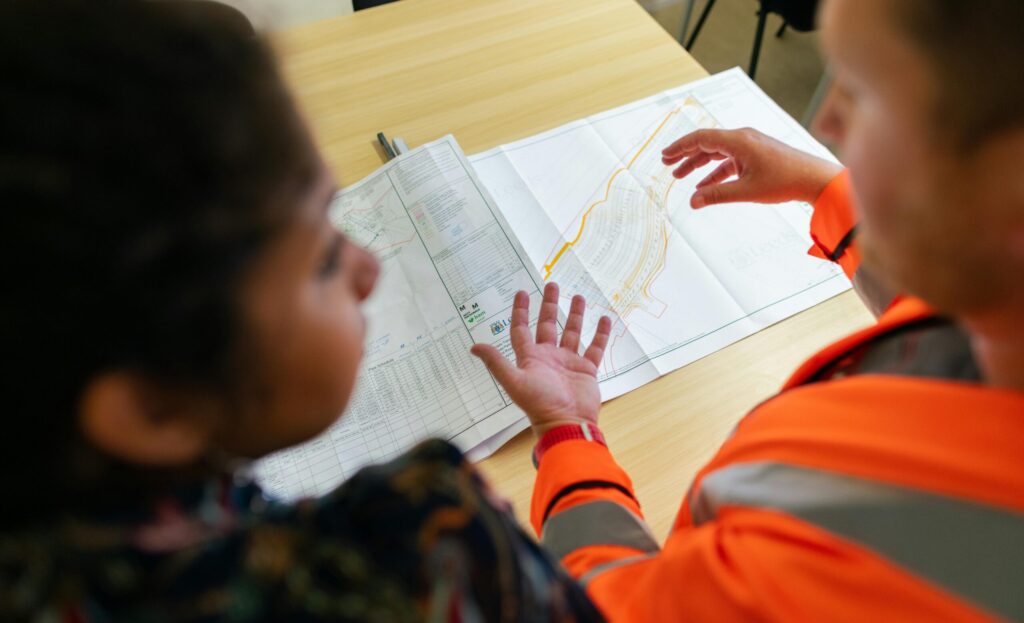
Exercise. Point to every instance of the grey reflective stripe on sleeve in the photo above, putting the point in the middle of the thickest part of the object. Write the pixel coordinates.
(971, 549)
(595, 523)
(614, 564)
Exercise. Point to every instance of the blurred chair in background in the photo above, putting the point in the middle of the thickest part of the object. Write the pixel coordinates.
(798, 14)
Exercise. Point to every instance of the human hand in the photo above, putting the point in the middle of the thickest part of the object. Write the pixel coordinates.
(550, 380)
(766, 170)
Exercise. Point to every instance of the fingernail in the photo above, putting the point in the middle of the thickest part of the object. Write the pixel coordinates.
(697, 201)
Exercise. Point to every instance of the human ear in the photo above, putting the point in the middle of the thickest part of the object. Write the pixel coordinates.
(132, 419)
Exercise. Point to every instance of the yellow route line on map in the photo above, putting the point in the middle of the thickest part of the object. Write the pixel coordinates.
(608, 187)
(628, 282)
(646, 289)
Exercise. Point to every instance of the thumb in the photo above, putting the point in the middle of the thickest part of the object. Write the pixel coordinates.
(712, 194)
(496, 363)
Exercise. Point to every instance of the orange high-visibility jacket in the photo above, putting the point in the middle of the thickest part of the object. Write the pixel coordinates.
(882, 483)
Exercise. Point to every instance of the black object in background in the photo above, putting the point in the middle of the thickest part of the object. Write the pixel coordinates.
(359, 5)
(797, 14)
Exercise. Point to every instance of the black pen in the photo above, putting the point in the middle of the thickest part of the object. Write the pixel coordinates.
(388, 151)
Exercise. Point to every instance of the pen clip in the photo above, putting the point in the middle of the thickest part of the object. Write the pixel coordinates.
(389, 152)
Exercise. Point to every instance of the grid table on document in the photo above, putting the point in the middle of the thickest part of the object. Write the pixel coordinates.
(431, 390)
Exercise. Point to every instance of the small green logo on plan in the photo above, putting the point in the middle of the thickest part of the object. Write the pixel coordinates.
(471, 313)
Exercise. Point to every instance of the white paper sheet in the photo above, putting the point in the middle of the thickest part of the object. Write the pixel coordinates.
(449, 271)
(597, 211)
(588, 204)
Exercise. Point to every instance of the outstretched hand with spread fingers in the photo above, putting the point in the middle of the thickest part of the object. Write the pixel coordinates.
(753, 167)
(550, 380)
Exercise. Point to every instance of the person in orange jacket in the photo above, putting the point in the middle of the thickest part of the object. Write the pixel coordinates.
(885, 481)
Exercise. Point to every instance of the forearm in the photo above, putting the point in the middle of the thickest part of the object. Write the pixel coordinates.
(585, 511)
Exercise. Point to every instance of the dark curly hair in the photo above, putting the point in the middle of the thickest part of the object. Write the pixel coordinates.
(148, 153)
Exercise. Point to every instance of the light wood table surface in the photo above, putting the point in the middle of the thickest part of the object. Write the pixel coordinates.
(492, 71)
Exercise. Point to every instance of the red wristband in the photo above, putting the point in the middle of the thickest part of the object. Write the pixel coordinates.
(584, 431)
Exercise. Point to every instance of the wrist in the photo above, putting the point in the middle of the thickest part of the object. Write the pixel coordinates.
(571, 431)
(542, 428)
(822, 174)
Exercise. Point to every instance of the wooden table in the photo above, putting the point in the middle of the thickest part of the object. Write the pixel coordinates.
(492, 71)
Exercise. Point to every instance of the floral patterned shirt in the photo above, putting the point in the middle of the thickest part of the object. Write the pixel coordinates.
(418, 538)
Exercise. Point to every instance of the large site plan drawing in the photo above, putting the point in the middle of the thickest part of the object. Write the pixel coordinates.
(598, 212)
(589, 205)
